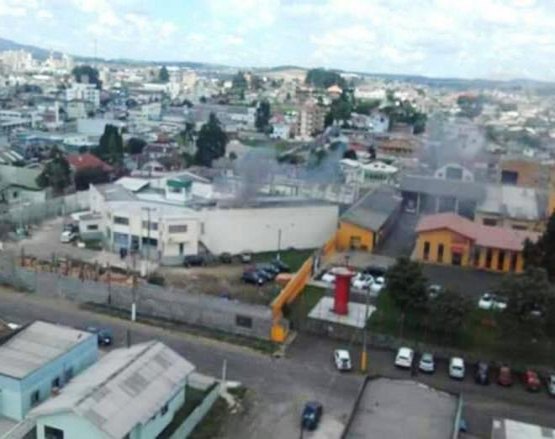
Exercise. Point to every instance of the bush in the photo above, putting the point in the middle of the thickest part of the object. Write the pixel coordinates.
(156, 279)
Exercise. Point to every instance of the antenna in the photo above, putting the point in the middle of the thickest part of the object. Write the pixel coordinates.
(95, 47)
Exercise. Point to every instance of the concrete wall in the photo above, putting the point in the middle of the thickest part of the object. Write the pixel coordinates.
(236, 230)
(156, 425)
(73, 426)
(348, 231)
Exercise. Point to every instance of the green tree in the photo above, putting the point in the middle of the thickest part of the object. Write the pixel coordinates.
(110, 147)
(470, 106)
(211, 142)
(239, 81)
(163, 75)
(328, 119)
(262, 115)
(350, 154)
(542, 252)
(366, 106)
(407, 285)
(322, 78)
(135, 145)
(87, 74)
(56, 172)
(446, 313)
(89, 176)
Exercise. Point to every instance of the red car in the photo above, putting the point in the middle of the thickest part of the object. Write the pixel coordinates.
(505, 377)
(532, 381)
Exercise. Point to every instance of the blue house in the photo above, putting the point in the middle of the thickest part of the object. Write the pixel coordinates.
(130, 393)
(39, 359)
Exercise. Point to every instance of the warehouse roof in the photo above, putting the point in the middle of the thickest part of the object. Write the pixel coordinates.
(443, 187)
(513, 202)
(485, 236)
(374, 209)
(36, 345)
(509, 429)
(126, 387)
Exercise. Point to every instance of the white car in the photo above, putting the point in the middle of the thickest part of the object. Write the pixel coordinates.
(456, 368)
(13, 326)
(427, 363)
(67, 236)
(499, 303)
(486, 302)
(342, 359)
(377, 285)
(404, 357)
(328, 278)
(551, 385)
(362, 281)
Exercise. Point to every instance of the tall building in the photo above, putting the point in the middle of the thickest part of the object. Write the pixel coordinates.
(311, 120)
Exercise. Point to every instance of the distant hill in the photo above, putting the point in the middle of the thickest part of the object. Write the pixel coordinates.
(37, 52)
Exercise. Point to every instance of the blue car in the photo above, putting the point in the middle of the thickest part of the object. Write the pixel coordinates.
(312, 413)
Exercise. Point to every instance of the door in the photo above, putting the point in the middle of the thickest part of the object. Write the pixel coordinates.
(456, 258)
(181, 248)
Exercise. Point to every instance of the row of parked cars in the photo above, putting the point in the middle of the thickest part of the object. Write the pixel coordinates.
(483, 373)
(201, 260)
(259, 274)
(370, 279)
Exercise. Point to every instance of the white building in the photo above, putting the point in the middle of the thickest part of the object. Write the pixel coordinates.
(84, 92)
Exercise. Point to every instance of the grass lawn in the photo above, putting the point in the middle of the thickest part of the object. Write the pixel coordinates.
(293, 258)
(298, 310)
(479, 335)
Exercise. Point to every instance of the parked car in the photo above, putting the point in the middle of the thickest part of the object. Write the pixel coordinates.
(486, 302)
(253, 277)
(456, 368)
(404, 358)
(531, 380)
(427, 363)
(499, 303)
(505, 377)
(226, 258)
(362, 281)
(328, 278)
(551, 384)
(104, 335)
(281, 266)
(311, 415)
(246, 257)
(342, 359)
(377, 285)
(434, 291)
(268, 268)
(266, 275)
(481, 374)
(68, 236)
(375, 271)
(194, 261)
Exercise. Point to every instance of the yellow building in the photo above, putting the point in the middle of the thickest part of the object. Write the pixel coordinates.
(447, 238)
(368, 221)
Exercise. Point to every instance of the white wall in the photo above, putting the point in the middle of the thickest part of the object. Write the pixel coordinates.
(236, 230)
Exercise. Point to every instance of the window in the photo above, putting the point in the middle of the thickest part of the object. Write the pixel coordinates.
(121, 220)
(244, 321)
(426, 253)
(53, 433)
(500, 260)
(514, 260)
(35, 398)
(440, 252)
(178, 228)
(519, 227)
(476, 257)
(489, 257)
(164, 409)
(175, 190)
(489, 222)
(56, 382)
(92, 227)
(153, 225)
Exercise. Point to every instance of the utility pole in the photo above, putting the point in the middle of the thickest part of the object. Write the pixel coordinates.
(364, 355)
(148, 210)
(279, 244)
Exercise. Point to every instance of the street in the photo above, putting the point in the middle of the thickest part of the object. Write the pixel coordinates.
(279, 387)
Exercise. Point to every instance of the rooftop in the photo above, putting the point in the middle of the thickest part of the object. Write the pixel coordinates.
(403, 410)
(509, 429)
(374, 209)
(486, 236)
(115, 192)
(124, 388)
(512, 201)
(443, 187)
(36, 345)
(87, 161)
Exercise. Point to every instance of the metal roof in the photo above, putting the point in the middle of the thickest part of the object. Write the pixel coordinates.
(512, 201)
(35, 346)
(443, 187)
(123, 389)
(374, 209)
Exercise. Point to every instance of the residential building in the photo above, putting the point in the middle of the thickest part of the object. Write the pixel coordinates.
(95, 127)
(454, 171)
(130, 393)
(447, 238)
(82, 162)
(83, 92)
(38, 360)
(397, 145)
(522, 171)
(19, 185)
(311, 120)
(367, 174)
(366, 224)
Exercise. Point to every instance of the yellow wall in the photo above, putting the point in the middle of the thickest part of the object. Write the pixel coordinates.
(347, 231)
(449, 238)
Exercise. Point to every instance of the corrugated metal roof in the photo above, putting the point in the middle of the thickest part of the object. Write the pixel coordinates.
(374, 209)
(125, 388)
(37, 345)
(443, 187)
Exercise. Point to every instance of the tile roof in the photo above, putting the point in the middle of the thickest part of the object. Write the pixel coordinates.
(87, 161)
(485, 236)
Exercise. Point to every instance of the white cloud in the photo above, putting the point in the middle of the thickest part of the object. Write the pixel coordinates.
(44, 14)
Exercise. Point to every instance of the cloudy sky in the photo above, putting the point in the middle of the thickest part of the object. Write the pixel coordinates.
(460, 38)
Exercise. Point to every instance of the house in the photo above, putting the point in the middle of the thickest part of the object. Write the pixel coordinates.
(334, 91)
(83, 92)
(367, 174)
(454, 171)
(131, 392)
(39, 359)
(447, 238)
(368, 221)
(19, 185)
(85, 161)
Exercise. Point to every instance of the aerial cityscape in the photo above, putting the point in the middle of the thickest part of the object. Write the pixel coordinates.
(277, 219)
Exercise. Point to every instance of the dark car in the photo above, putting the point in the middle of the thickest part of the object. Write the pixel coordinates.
(253, 277)
(375, 271)
(268, 268)
(104, 335)
(226, 258)
(505, 377)
(481, 374)
(194, 261)
(246, 257)
(281, 266)
(266, 275)
(311, 415)
(531, 381)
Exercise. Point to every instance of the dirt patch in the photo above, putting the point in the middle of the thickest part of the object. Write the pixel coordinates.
(220, 280)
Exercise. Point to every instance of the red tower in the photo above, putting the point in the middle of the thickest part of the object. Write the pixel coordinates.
(342, 289)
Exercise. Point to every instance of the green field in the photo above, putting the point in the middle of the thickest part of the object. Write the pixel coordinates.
(293, 258)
